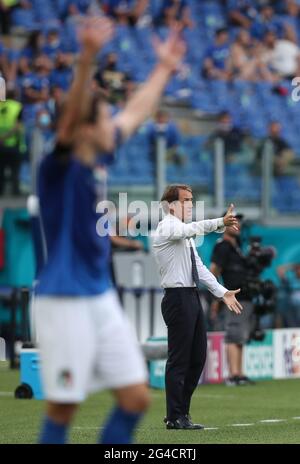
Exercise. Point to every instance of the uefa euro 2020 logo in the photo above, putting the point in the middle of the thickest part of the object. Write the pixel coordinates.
(2, 89)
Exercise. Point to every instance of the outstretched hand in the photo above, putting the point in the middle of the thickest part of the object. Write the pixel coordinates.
(231, 301)
(230, 220)
(94, 33)
(170, 52)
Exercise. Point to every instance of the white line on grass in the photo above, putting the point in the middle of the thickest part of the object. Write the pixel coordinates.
(264, 421)
(240, 425)
(272, 420)
(158, 395)
(6, 394)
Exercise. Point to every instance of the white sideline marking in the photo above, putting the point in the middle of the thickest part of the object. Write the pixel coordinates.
(6, 394)
(158, 395)
(272, 420)
(240, 425)
(264, 421)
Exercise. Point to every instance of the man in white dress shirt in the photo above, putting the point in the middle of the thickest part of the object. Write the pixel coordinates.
(182, 272)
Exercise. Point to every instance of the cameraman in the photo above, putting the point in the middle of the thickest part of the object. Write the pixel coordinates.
(229, 263)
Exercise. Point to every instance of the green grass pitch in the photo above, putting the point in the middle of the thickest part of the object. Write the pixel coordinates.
(225, 411)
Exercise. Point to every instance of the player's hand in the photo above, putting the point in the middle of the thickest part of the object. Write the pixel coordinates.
(230, 220)
(231, 301)
(171, 52)
(94, 33)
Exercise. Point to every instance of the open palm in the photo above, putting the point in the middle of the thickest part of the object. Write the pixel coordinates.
(231, 301)
(170, 52)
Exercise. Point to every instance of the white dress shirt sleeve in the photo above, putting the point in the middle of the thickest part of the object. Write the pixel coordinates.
(176, 229)
(208, 279)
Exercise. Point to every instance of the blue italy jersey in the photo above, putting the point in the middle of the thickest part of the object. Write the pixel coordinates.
(78, 258)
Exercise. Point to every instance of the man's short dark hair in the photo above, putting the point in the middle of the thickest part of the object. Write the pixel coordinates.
(171, 192)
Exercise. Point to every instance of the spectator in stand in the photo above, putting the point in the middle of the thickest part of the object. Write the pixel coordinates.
(246, 59)
(77, 7)
(11, 66)
(35, 93)
(44, 123)
(241, 12)
(24, 77)
(267, 21)
(55, 103)
(24, 58)
(174, 12)
(216, 59)
(34, 46)
(243, 61)
(291, 18)
(283, 154)
(232, 137)
(162, 121)
(281, 57)
(125, 11)
(62, 74)
(110, 80)
(289, 275)
(69, 8)
(36, 85)
(5, 15)
(53, 43)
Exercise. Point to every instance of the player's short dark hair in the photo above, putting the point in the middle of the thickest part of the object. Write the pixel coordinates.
(171, 192)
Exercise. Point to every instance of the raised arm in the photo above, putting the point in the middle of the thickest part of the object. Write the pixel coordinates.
(94, 33)
(175, 230)
(143, 103)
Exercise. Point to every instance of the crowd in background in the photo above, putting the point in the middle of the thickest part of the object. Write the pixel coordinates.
(258, 42)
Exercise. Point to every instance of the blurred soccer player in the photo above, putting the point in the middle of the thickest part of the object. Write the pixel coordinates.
(85, 340)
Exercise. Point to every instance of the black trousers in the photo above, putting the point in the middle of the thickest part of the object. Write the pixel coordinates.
(187, 344)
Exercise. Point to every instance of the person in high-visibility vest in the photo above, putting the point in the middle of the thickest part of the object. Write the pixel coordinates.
(12, 144)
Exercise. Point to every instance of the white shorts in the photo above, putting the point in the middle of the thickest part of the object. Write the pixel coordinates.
(86, 344)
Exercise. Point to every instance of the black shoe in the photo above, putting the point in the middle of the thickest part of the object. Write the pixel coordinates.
(182, 423)
(244, 380)
(187, 416)
(195, 426)
(232, 381)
